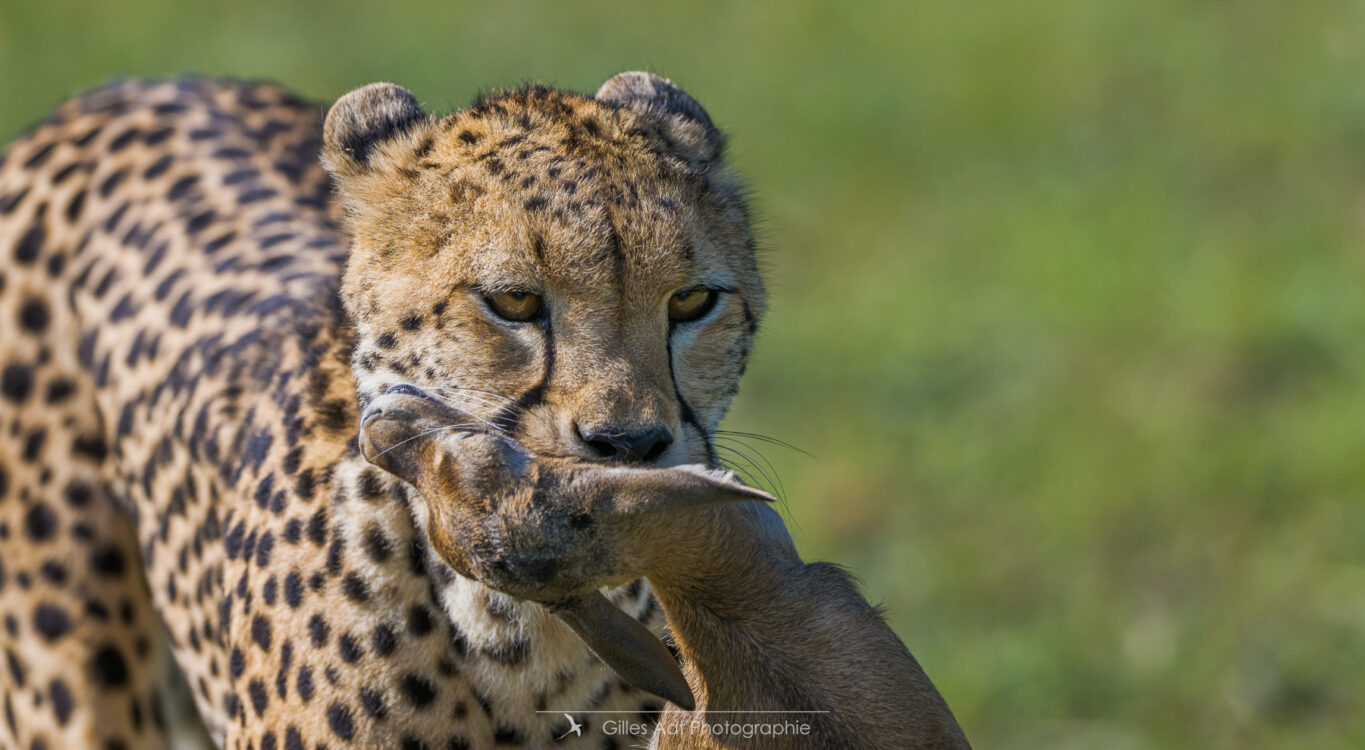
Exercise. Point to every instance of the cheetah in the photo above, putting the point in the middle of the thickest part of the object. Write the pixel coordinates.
(205, 282)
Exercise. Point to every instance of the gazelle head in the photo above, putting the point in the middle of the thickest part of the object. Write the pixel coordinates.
(550, 530)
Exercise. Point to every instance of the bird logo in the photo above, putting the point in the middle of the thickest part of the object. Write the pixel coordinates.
(575, 728)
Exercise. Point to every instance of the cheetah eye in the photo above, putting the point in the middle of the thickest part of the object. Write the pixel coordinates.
(517, 306)
(691, 304)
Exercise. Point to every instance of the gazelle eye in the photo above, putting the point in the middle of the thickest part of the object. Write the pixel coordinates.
(691, 304)
(516, 306)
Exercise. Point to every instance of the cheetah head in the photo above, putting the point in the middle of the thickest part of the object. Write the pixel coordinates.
(577, 272)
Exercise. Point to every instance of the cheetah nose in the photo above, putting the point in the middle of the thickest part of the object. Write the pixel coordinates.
(637, 446)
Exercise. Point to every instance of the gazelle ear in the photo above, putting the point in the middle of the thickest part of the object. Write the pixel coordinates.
(399, 444)
(682, 122)
(363, 119)
(405, 432)
(640, 491)
(626, 646)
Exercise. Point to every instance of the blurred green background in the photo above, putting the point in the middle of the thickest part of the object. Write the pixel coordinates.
(1067, 302)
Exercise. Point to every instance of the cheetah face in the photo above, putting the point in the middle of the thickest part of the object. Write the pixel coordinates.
(576, 272)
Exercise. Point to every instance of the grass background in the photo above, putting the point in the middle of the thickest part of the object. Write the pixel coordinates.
(1068, 303)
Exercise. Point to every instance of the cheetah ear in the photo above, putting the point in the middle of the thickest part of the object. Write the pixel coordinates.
(363, 119)
(682, 122)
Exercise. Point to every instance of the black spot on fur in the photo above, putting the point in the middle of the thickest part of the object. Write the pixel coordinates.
(86, 138)
(34, 315)
(217, 243)
(111, 183)
(197, 223)
(233, 541)
(255, 195)
(56, 262)
(39, 157)
(157, 136)
(40, 523)
(158, 167)
(9, 202)
(418, 690)
(33, 445)
(339, 719)
(16, 670)
(182, 187)
(293, 589)
(373, 702)
(122, 140)
(260, 632)
(16, 382)
(318, 630)
(53, 572)
(31, 243)
(91, 446)
(419, 620)
(62, 174)
(241, 175)
(371, 485)
(377, 546)
(74, 206)
(264, 548)
(109, 668)
(107, 560)
(317, 527)
(51, 622)
(383, 640)
(59, 390)
(348, 649)
(304, 683)
(61, 700)
(259, 698)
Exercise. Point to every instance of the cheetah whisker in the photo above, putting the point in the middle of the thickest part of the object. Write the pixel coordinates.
(503, 421)
(773, 481)
(734, 434)
(463, 389)
(415, 437)
(500, 426)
